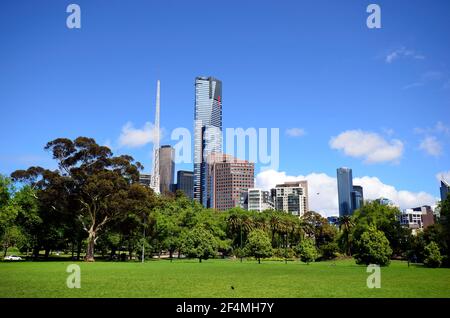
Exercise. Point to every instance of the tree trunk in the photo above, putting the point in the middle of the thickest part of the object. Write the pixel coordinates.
(79, 249)
(47, 253)
(259, 260)
(90, 248)
(6, 250)
(36, 252)
(199, 260)
(73, 249)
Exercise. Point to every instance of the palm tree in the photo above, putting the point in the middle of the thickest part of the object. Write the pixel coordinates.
(346, 224)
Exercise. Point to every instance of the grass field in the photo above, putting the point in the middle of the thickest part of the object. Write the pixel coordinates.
(214, 278)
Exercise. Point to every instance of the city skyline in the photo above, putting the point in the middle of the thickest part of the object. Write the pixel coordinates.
(373, 100)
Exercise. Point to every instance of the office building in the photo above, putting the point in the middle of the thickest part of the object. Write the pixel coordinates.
(333, 220)
(357, 197)
(259, 200)
(292, 197)
(185, 182)
(417, 219)
(207, 130)
(445, 189)
(166, 168)
(145, 179)
(227, 179)
(345, 188)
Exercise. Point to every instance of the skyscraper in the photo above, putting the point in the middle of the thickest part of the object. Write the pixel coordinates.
(166, 168)
(292, 197)
(345, 188)
(207, 130)
(445, 189)
(228, 178)
(357, 197)
(185, 182)
(155, 185)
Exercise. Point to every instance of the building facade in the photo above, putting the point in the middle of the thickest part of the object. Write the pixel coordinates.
(185, 182)
(445, 189)
(259, 200)
(166, 168)
(207, 130)
(417, 219)
(357, 197)
(145, 179)
(227, 179)
(292, 197)
(345, 188)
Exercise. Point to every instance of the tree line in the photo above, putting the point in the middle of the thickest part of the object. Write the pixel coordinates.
(92, 205)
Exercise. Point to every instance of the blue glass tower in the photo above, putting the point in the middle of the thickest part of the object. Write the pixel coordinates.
(345, 189)
(207, 130)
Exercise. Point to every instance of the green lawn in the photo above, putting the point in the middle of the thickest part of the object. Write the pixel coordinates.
(214, 278)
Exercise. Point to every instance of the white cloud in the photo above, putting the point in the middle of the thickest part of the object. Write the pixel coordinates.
(295, 132)
(134, 137)
(439, 128)
(323, 195)
(431, 146)
(373, 188)
(443, 175)
(372, 147)
(402, 52)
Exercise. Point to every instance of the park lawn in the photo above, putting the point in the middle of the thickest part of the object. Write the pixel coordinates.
(214, 278)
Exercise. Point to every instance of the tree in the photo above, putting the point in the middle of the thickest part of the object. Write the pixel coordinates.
(385, 219)
(432, 255)
(199, 243)
(90, 184)
(8, 207)
(444, 243)
(346, 224)
(318, 227)
(13, 236)
(306, 251)
(258, 245)
(373, 248)
(329, 250)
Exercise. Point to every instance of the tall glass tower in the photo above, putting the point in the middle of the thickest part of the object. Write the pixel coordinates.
(345, 188)
(207, 130)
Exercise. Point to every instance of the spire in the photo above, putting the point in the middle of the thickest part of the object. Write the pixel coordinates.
(155, 175)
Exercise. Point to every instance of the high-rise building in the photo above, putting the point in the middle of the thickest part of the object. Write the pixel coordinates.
(145, 179)
(259, 200)
(292, 197)
(155, 184)
(166, 168)
(345, 188)
(207, 130)
(227, 178)
(445, 189)
(357, 197)
(185, 182)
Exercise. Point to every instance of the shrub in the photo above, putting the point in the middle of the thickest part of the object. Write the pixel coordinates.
(433, 256)
(329, 250)
(306, 251)
(373, 248)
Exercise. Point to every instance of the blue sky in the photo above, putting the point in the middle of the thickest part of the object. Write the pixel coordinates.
(382, 94)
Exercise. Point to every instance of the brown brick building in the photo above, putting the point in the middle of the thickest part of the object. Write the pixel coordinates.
(227, 179)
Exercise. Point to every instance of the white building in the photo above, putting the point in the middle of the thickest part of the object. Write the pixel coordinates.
(292, 197)
(259, 200)
(417, 218)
